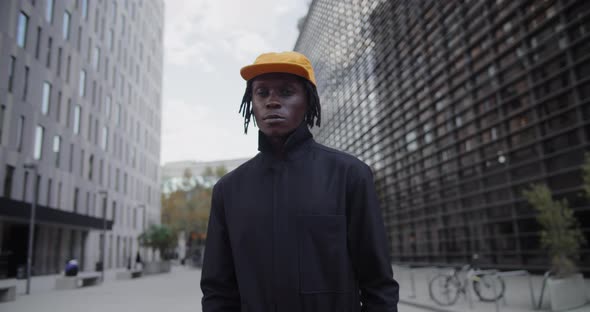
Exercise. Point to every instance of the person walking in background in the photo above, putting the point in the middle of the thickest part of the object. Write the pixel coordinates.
(297, 227)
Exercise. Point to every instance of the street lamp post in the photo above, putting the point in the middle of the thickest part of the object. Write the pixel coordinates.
(105, 195)
(143, 212)
(33, 167)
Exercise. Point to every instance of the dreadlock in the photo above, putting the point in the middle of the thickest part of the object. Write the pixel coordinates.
(312, 115)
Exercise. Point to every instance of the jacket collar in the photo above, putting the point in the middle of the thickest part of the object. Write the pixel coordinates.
(294, 146)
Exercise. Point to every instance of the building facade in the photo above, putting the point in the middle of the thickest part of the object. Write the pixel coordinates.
(458, 106)
(80, 98)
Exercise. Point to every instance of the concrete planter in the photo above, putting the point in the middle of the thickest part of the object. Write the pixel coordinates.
(156, 267)
(567, 293)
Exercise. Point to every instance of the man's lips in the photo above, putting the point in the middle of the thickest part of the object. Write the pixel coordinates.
(273, 117)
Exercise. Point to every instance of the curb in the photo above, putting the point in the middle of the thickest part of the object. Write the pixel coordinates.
(424, 306)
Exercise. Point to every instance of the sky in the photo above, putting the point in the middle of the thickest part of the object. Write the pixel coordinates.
(206, 42)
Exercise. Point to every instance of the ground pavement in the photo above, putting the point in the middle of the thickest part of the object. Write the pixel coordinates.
(177, 291)
(517, 295)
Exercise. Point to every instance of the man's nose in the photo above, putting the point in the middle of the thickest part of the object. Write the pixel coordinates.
(273, 100)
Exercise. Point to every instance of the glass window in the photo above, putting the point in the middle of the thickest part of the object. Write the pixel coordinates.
(57, 149)
(8, 181)
(105, 138)
(82, 86)
(26, 86)
(85, 9)
(21, 30)
(19, 133)
(38, 150)
(96, 58)
(46, 98)
(77, 121)
(11, 73)
(66, 25)
(108, 107)
(49, 11)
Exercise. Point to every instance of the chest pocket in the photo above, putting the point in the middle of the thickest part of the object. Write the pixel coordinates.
(324, 261)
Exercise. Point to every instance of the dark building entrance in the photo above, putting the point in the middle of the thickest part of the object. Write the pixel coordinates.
(14, 249)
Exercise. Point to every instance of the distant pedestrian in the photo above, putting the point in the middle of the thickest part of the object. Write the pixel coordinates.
(138, 262)
(72, 268)
(297, 228)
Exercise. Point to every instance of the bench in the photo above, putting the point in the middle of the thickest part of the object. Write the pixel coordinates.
(81, 280)
(7, 290)
(129, 274)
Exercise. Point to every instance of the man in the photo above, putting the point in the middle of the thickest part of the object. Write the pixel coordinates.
(297, 227)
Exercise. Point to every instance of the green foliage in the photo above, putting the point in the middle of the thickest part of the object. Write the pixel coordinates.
(560, 234)
(187, 209)
(586, 175)
(159, 237)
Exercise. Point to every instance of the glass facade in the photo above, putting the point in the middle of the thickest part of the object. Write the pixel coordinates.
(458, 106)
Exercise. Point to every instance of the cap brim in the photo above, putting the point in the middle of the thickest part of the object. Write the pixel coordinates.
(252, 71)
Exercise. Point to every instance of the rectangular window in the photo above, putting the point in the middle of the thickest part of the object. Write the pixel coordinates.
(21, 30)
(46, 102)
(107, 107)
(8, 177)
(77, 121)
(58, 109)
(118, 114)
(105, 138)
(49, 44)
(79, 43)
(82, 85)
(76, 194)
(96, 58)
(19, 133)
(38, 43)
(68, 68)
(49, 11)
(82, 163)
(58, 203)
(57, 149)
(25, 185)
(49, 190)
(84, 9)
(38, 150)
(111, 39)
(66, 25)
(11, 73)
(59, 54)
(26, 84)
(71, 164)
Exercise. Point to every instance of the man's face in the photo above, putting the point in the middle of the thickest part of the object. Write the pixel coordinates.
(279, 103)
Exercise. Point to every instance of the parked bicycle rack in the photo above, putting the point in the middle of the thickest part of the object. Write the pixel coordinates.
(516, 273)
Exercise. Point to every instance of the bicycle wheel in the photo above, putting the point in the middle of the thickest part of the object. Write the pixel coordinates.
(444, 289)
(484, 288)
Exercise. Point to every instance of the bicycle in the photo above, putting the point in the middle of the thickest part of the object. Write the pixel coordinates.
(444, 288)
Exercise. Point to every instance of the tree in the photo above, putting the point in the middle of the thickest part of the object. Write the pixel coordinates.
(158, 237)
(560, 235)
(187, 208)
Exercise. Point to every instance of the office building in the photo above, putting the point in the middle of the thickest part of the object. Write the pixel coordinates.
(80, 97)
(458, 106)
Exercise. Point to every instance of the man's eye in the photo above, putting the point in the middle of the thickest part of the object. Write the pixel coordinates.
(261, 92)
(286, 92)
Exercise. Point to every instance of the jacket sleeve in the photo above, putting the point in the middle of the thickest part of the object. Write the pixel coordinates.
(218, 279)
(368, 244)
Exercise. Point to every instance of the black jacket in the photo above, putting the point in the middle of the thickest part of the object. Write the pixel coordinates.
(303, 234)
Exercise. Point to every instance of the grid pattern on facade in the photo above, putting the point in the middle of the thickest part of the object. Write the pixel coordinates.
(458, 106)
(82, 97)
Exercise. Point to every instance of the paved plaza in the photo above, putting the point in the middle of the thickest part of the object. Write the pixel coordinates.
(178, 291)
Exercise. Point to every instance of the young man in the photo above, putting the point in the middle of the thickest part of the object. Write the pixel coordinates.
(297, 227)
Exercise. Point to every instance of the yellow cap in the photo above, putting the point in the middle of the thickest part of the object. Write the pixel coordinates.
(284, 62)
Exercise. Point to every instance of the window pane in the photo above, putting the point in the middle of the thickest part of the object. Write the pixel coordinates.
(46, 98)
(66, 25)
(82, 85)
(57, 149)
(105, 138)
(49, 11)
(77, 119)
(38, 142)
(21, 34)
